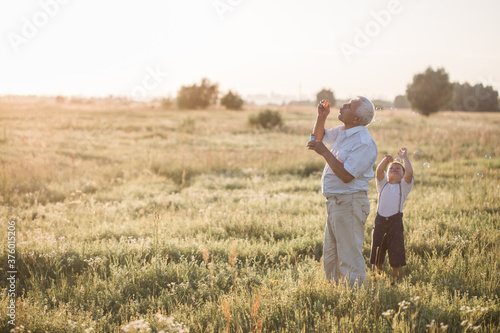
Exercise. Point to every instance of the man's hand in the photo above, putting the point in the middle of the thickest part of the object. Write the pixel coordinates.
(323, 108)
(335, 165)
(318, 147)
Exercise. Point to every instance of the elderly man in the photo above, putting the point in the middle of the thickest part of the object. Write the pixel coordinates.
(349, 167)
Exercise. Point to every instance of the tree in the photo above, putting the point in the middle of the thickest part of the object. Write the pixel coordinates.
(474, 98)
(193, 97)
(430, 91)
(401, 102)
(232, 101)
(326, 94)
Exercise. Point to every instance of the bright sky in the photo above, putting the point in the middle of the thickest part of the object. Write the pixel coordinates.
(289, 47)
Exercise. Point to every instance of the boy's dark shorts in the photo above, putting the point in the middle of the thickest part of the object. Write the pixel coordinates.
(388, 235)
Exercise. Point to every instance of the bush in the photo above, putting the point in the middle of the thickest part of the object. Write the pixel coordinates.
(167, 103)
(266, 119)
(232, 101)
(193, 97)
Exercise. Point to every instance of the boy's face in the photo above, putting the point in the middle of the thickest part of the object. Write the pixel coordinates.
(395, 173)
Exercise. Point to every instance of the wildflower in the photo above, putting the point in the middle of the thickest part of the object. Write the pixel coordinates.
(475, 328)
(404, 304)
(463, 323)
(388, 313)
(139, 325)
(164, 319)
(432, 324)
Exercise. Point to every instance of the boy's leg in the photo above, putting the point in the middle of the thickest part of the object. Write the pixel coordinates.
(396, 248)
(398, 272)
(379, 244)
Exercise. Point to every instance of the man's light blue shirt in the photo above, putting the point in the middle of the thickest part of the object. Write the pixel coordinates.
(356, 149)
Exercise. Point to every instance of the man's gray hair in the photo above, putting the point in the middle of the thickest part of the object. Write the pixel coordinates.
(365, 110)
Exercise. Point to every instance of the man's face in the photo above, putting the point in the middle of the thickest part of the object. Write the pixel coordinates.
(395, 172)
(347, 113)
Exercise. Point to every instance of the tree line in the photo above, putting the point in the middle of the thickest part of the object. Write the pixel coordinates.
(429, 92)
(206, 93)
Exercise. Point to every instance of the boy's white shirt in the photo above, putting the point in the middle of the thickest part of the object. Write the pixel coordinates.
(389, 199)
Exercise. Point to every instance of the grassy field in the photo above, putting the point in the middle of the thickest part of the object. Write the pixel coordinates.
(127, 217)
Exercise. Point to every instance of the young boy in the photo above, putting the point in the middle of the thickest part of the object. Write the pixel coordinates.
(388, 230)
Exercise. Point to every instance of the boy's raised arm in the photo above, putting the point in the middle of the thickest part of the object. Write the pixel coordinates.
(382, 166)
(409, 169)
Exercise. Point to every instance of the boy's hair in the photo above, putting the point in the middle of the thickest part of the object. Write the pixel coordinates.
(396, 162)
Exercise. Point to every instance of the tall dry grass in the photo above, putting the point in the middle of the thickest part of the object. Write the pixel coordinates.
(128, 217)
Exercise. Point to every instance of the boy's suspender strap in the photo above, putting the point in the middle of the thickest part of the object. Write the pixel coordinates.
(380, 195)
(399, 206)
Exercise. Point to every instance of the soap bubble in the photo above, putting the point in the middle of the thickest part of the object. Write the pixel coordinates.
(416, 153)
(480, 174)
(393, 108)
(415, 113)
(427, 165)
(377, 120)
(398, 160)
(487, 156)
(378, 108)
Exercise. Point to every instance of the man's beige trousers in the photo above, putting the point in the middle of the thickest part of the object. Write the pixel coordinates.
(344, 236)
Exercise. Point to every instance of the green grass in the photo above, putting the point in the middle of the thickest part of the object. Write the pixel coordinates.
(129, 216)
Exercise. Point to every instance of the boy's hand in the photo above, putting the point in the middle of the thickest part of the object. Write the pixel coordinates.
(324, 108)
(402, 152)
(389, 158)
